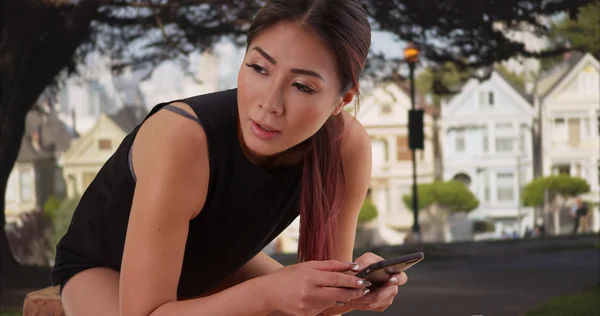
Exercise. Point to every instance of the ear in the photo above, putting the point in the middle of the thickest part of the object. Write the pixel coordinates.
(346, 99)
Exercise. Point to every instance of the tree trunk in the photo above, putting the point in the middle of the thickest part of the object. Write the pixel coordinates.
(13, 275)
(39, 39)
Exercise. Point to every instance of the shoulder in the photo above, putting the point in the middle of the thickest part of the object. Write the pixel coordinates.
(171, 151)
(356, 145)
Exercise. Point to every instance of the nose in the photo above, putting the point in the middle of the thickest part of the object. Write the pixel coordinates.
(273, 103)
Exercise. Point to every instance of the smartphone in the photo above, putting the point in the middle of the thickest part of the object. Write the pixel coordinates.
(380, 272)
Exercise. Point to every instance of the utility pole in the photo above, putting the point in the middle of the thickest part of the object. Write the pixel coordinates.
(415, 135)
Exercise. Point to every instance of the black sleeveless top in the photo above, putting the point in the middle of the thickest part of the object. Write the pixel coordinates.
(245, 209)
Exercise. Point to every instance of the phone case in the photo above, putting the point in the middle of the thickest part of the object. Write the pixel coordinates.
(380, 272)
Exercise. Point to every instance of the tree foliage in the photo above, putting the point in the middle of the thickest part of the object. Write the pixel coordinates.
(556, 185)
(473, 35)
(451, 196)
(368, 212)
(441, 81)
(517, 80)
(581, 34)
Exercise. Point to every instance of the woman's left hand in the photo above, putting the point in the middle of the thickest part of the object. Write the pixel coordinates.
(381, 298)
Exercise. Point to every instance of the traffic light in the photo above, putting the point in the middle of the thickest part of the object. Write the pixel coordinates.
(415, 129)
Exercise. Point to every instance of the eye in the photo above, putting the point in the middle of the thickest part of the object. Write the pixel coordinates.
(303, 88)
(258, 68)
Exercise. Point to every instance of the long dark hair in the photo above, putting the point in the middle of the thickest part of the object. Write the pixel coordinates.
(344, 25)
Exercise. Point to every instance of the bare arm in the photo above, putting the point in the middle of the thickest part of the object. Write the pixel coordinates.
(356, 159)
(171, 163)
(261, 264)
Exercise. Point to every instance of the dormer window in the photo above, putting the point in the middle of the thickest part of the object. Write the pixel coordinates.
(386, 108)
(486, 98)
(104, 144)
(588, 80)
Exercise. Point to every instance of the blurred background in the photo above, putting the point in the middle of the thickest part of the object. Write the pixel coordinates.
(489, 109)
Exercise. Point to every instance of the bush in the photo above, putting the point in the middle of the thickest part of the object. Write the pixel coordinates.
(51, 205)
(368, 212)
(562, 185)
(62, 219)
(452, 196)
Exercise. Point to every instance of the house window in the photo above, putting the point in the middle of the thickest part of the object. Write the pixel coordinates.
(504, 144)
(460, 142)
(574, 127)
(562, 169)
(104, 144)
(485, 143)
(26, 185)
(386, 108)
(11, 189)
(486, 98)
(505, 187)
(588, 80)
(559, 130)
(403, 152)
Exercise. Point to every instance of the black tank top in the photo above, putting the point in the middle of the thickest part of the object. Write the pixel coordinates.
(245, 209)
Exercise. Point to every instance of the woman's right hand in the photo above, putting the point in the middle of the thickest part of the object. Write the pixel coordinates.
(311, 287)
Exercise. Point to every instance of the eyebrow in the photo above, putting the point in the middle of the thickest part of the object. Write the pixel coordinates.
(265, 55)
(307, 72)
(294, 70)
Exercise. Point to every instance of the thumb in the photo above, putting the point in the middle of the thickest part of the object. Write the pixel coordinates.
(331, 265)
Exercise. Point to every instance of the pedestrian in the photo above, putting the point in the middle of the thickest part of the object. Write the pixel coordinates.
(580, 216)
(175, 221)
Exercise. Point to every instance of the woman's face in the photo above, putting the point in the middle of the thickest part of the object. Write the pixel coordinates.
(288, 86)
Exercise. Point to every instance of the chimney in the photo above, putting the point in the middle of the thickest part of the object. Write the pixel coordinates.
(35, 139)
(74, 122)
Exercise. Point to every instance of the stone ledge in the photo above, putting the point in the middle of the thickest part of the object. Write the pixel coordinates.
(44, 302)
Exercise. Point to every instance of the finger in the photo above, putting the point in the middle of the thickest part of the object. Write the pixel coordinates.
(339, 295)
(367, 259)
(398, 279)
(337, 279)
(380, 295)
(330, 265)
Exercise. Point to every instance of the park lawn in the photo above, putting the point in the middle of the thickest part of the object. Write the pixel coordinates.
(586, 303)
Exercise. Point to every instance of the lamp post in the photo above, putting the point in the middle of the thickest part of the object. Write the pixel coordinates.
(415, 134)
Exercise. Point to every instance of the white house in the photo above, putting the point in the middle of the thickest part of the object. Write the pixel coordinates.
(89, 153)
(570, 102)
(384, 114)
(487, 144)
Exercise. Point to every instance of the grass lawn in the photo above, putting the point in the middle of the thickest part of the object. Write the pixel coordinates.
(586, 303)
(11, 313)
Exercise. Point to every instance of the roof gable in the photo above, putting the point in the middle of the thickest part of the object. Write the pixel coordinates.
(507, 99)
(568, 74)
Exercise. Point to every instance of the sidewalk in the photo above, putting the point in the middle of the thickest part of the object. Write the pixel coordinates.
(508, 286)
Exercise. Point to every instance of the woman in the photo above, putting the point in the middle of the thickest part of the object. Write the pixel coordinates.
(175, 221)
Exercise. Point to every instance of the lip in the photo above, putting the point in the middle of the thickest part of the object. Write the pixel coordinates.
(267, 126)
(261, 133)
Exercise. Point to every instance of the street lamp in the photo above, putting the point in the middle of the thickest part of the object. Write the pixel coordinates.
(415, 133)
